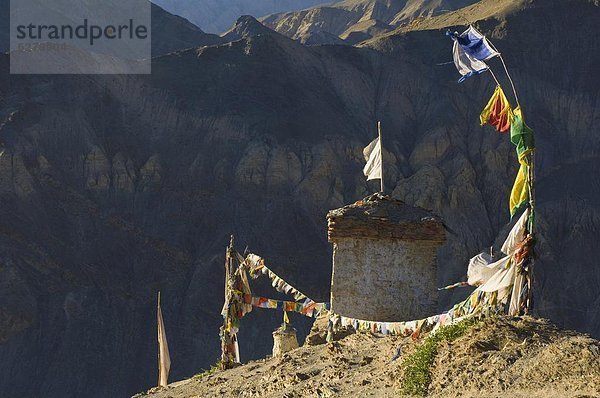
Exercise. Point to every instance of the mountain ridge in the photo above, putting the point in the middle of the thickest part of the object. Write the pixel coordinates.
(216, 17)
(348, 16)
(245, 26)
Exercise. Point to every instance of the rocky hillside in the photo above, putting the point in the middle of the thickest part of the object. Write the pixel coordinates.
(115, 187)
(520, 357)
(216, 16)
(354, 21)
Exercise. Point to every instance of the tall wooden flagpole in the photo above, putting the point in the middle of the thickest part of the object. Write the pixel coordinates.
(230, 352)
(381, 153)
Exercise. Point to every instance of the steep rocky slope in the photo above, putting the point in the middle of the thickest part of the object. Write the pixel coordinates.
(356, 20)
(521, 357)
(216, 16)
(115, 187)
(246, 26)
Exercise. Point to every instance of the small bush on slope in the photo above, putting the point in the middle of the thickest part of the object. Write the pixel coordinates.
(417, 366)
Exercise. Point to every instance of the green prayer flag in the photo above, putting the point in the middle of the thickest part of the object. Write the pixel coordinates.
(521, 135)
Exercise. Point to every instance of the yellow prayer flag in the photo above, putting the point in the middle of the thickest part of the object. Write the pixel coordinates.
(474, 299)
(286, 320)
(520, 191)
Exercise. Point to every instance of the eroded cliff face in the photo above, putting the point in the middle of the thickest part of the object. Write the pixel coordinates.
(113, 188)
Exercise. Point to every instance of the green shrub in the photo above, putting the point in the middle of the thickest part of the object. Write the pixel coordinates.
(208, 372)
(417, 366)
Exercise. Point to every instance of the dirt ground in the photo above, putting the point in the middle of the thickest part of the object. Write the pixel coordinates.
(498, 357)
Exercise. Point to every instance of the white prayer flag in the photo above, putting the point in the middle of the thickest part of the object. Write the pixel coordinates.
(515, 298)
(516, 235)
(479, 270)
(164, 359)
(373, 156)
(466, 65)
(503, 277)
(471, 48)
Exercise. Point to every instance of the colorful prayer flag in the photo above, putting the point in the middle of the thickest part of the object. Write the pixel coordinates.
(521, 135)
(497, 112)
(519, 195)
(256, 264)
(466, 65)
(475, 45)
(309, 308)
(470, 49)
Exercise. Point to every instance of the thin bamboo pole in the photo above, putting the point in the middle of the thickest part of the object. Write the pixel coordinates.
(530, 275)
(510, 80)
(493, 75)
(507, 73)
(225, 334)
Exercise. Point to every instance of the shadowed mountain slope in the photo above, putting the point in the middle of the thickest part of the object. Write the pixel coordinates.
(115, 187)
